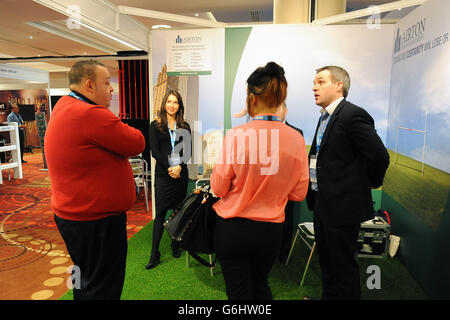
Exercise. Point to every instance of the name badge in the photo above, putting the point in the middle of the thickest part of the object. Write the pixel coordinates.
(174, 160)
(312, 169)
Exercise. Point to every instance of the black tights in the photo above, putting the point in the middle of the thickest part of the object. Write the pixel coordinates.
(158, 230)
(169, 193)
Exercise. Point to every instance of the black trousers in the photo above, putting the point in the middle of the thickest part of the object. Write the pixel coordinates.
(246, 251)
(336, 249)
(99, 250)
(22, 142)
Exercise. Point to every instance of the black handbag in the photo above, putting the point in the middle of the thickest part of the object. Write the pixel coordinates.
(192, 224)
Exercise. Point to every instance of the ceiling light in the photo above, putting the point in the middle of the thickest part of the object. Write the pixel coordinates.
(161, 26)
(56, 29)
(109, 36)
(196, 14)
(31, 37)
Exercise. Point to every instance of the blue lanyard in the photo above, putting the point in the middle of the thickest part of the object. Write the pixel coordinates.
(267, 118)
(323, 125)
(74, 95)
(172, 135)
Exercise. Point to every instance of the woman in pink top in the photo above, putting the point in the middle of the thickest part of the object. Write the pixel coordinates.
(263, 164)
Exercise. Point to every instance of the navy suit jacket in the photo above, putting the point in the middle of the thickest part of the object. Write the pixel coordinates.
(295, 128)
(351, 160)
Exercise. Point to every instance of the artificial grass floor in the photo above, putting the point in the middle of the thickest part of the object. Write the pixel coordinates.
(173, 280)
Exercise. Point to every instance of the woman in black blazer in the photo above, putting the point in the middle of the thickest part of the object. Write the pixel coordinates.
(170, 145)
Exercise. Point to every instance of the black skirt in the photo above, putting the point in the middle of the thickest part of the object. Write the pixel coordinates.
(169, 192)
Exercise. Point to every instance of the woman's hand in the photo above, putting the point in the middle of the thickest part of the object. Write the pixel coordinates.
(241, 113)
(174, 172)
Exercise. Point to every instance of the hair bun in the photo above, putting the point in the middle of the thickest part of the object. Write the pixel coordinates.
(274, 69)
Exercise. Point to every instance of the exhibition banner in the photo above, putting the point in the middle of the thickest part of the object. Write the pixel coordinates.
(417, 184)
(189, 52)
(419, 112)
(11, 71)
(192, 62)
(301, 49)
(420, 98)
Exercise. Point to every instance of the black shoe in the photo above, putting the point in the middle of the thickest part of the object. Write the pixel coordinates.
(23, 161)
(176, 252)
(154, 261)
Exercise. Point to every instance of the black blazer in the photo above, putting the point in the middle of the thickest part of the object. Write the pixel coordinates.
(351, 160)
(295, 128)
(161, 148)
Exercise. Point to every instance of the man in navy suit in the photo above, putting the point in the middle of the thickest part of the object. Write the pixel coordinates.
(347, 159)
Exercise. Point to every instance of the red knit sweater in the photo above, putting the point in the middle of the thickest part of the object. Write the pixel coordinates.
(87, 149)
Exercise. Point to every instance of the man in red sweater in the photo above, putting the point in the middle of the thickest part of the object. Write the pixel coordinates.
(87, 149)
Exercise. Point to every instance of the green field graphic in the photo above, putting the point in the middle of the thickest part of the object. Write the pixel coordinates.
(424, 195)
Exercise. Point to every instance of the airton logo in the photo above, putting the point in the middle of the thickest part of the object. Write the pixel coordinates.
(195, 39)
(413, 34)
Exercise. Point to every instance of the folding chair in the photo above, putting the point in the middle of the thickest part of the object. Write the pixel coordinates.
(140, 172)
(305, 231)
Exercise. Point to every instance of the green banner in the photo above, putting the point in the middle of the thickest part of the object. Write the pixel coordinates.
(235, 41)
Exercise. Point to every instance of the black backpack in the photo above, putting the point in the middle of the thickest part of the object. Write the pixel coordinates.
(192, 224)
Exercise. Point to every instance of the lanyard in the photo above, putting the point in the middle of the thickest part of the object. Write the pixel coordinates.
(323, 125)
(76, 96)
(267, 118)
(172, 135)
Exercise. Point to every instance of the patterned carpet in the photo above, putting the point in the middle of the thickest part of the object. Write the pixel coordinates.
(34, 263)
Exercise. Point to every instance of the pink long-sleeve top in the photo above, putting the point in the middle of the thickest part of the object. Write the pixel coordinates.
(262, 165)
